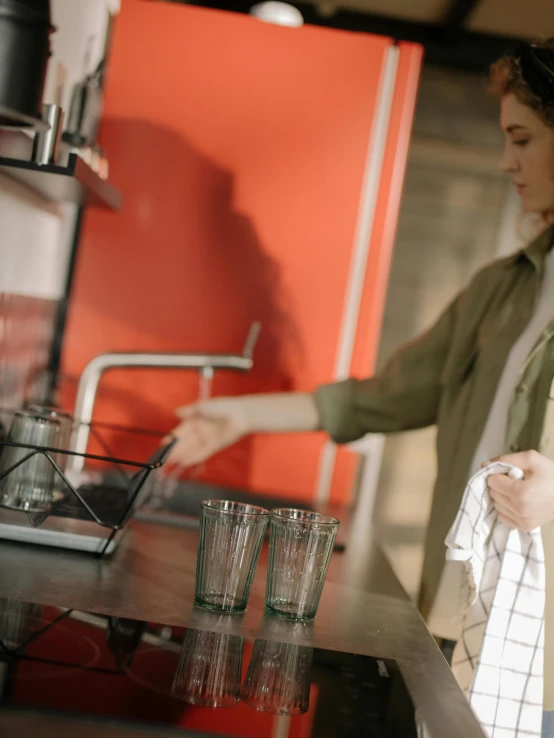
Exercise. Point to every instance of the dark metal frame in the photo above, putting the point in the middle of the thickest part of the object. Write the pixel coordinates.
(63, 307)
(53, 368)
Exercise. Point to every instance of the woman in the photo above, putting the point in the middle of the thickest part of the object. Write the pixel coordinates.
(483, 373)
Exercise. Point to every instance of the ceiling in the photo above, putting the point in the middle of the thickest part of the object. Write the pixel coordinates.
(468, 34)
(503, 17)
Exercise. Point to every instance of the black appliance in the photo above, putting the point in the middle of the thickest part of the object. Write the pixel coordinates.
(25, 30)
(131, 675)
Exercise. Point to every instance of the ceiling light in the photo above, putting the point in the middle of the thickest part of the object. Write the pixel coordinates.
(282, 14)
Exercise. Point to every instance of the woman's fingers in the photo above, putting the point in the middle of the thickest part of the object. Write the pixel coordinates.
(187, 411)
(197, 440)
(206, 428)
(508, 520)
(503, 492)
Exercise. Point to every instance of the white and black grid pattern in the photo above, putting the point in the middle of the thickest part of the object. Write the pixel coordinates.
(498, 660)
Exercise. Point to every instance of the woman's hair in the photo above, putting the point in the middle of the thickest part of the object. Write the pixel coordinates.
(527, 71)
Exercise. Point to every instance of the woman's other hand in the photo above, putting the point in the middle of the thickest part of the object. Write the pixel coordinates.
(527, 503)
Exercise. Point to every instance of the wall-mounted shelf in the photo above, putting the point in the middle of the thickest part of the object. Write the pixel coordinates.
(76, 182)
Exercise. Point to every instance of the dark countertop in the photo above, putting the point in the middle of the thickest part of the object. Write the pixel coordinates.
(151, 577)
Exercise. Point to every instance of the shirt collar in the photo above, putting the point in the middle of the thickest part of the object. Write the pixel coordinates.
(537, 250)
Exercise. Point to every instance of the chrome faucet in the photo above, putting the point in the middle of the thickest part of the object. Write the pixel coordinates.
(90, 378)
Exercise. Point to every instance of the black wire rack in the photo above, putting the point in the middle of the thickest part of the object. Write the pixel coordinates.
(20, 647)
(11, 654)
(130, 476)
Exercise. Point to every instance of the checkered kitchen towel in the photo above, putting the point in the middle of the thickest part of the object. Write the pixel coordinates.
(498, 660)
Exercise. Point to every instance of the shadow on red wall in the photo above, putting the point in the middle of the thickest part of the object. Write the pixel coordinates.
(179, 269)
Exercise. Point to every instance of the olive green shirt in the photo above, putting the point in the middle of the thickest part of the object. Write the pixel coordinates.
(448, 377)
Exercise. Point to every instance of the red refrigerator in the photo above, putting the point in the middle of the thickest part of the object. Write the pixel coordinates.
(261, 169)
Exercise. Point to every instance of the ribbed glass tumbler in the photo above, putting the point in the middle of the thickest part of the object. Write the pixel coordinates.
(300, 547)
(231, 537)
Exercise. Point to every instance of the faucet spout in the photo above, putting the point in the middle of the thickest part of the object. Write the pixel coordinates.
(90, 379)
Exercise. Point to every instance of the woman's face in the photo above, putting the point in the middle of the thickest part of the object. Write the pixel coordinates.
(528, 155)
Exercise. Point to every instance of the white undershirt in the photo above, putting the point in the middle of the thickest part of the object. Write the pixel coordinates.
(445, 617)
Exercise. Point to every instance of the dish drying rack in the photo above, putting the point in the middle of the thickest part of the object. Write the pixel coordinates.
(96, 505)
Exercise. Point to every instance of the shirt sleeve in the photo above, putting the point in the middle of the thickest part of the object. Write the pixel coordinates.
(404, 396)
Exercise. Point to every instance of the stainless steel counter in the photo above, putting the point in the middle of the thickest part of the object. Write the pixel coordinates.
(151, 577)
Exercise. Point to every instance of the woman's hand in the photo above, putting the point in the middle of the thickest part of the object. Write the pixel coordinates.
(527, 503)
(211, 425)
(206, 428)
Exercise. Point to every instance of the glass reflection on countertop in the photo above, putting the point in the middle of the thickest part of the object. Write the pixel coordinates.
(152, 674)
(278, 678)
(209, 669)
(18, 621)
